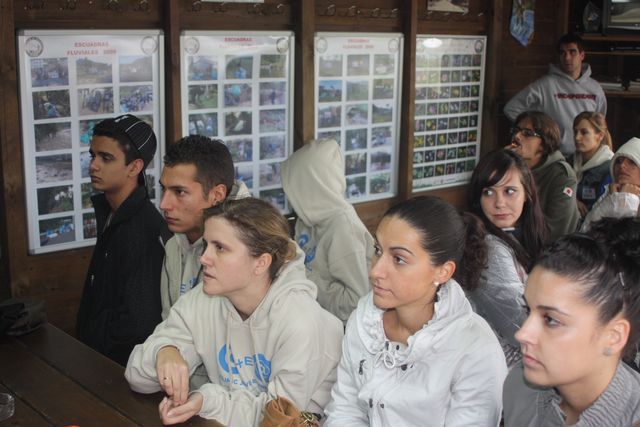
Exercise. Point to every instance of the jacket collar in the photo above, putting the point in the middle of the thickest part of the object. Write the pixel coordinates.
(126, 210)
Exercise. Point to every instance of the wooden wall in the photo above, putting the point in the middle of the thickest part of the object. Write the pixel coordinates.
(58, 277)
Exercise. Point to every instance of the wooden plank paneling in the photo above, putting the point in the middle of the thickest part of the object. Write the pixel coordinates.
(58, 277)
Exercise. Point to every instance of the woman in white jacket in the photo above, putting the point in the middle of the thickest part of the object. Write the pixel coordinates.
(253, 323)
(414, 352)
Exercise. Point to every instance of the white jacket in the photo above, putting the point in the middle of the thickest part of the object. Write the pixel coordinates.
(450, 374)
(337, 245)
(289, 347)
(617, 205)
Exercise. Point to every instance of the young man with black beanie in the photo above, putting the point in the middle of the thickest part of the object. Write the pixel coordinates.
(120, 303)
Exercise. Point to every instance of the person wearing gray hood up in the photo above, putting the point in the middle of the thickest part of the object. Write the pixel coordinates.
(337, 245)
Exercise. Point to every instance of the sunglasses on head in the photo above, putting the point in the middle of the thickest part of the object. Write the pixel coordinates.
(528, 133)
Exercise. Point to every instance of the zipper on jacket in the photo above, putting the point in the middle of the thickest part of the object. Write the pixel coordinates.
(91, 280)
(360, 371)
(370, 403)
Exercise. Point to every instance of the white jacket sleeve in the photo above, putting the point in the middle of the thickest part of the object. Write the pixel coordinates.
(499, 296)
(527, 99)
(617, 205)
(476, 392)
(141, 367)
(345, 408)
(299, 370)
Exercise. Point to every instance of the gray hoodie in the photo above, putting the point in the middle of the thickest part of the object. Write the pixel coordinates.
(289, 346)
(181, 267)
(562, 98)
(337, 245)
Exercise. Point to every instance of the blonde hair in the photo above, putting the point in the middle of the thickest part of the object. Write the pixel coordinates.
(260, 227)
(598, 122)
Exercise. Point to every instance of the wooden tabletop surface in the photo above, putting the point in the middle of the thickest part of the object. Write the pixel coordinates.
(57, 380)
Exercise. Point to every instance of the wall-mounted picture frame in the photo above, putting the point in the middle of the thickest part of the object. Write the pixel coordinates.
(69, 81)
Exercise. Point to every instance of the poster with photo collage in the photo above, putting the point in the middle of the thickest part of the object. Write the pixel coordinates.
(357, 97)
(448, 109)
(238, 88)
(69, 82)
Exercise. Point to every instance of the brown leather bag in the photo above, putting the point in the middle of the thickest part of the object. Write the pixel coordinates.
(281, 412)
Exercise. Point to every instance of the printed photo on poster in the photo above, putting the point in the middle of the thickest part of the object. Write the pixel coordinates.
(55, 199)
(51, 104)
(135, 68)
(53, 136)
(55, 231)
(49, 72)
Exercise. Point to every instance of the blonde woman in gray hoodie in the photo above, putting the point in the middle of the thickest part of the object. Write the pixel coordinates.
(253, 322)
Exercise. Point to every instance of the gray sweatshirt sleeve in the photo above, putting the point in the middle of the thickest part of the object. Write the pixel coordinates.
(499, 297)
(527, 99)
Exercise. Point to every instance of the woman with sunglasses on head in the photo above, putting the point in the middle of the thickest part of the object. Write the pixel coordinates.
(592, 158)
(503, 194)
(414, 352)
(583, 303)
(536, 137)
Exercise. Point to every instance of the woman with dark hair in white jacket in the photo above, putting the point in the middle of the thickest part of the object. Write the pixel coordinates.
(414, 352)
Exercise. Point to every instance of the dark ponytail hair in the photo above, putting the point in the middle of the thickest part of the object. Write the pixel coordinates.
(605, 264)
(446, 235)
(490, 171)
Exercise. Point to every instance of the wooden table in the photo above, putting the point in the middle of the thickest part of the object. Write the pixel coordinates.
(57, 380)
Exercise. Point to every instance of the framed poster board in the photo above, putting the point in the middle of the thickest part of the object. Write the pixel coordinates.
(239, 89)
(357, 96)
(70, 81)
(448, 113)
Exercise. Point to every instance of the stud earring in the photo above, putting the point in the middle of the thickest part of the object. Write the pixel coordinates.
(436, 284)
(607, 351)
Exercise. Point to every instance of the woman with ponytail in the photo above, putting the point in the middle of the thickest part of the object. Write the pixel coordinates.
(592, 158)
(414, 352)
(583, 304)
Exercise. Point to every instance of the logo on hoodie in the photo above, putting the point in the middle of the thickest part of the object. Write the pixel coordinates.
(258, 363)
(309, 252)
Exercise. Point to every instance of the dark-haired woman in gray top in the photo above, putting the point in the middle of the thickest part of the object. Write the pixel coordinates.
(583, 303)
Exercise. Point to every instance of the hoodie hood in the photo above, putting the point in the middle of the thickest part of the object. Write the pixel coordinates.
(556, 156)
(452, 306)
(314, 182)
(585, 73)
(630, 150)
(239, 191)
(290, 279)
(603, 155)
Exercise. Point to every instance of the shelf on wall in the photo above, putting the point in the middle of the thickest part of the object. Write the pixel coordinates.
(614, 53)
(623, 94)
(611, 37)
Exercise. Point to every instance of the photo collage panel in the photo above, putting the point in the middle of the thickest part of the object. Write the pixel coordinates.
(448, 94)
(357, 84)
(242, 98)
(72, 83)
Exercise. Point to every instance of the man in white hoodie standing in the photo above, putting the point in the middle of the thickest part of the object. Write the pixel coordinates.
(198, 173)
(563, 93)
